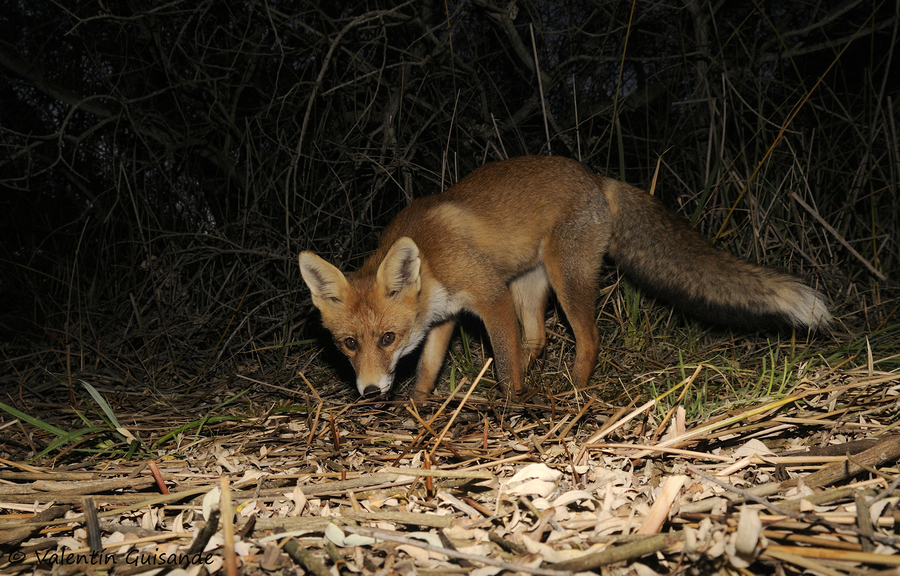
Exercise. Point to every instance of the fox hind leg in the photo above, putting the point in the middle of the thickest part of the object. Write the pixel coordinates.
(529, 293)
(576, 283)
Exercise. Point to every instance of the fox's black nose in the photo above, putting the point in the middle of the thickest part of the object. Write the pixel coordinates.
(372, 390)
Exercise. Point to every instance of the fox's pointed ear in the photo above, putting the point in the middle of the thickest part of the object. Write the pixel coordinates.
(399, 271)
(327, 284)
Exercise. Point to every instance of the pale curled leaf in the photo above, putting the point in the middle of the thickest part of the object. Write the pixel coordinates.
(749, 531)
(753, 447)
(571, 496)
(534, 488)
(539, 471)
(209, 500)
(335, 535)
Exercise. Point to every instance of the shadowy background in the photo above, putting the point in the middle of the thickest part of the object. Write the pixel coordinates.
(163, 163)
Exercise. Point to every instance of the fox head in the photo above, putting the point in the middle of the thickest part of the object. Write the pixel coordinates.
(373, 320)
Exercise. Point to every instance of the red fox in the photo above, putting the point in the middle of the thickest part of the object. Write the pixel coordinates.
(495, 244)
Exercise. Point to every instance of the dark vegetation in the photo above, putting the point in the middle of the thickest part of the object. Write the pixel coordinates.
(164, 162)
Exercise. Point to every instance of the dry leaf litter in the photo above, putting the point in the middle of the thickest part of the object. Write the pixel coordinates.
(803, 484)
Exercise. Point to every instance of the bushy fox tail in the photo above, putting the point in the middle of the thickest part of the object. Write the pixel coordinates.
(657, 250)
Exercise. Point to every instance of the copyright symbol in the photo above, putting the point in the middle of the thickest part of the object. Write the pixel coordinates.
(16, 556)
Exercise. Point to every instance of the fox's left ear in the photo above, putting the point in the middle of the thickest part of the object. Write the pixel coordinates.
(399, 270)
(327, 284)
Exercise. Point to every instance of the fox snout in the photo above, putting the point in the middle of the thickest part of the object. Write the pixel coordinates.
(372, 383)
(372, 390)
(369, 390)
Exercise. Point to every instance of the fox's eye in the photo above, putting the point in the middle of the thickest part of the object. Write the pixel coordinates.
(388, 338)
(349, 343)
